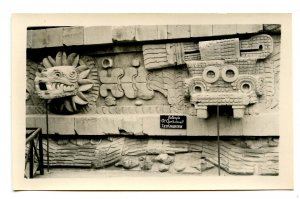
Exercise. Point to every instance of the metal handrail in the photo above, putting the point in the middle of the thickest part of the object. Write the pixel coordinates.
(33, 135)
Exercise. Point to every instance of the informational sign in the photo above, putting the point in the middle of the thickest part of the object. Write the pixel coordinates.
(173, 121)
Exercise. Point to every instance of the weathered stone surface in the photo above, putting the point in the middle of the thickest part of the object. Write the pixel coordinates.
(162, 32)
(201, 30)
(163, 168)
(54, 37)
(146, 163)
(255, 158)
(219, 49)
(179, 31)
(73, 36)
(272, 28)
(86, 125)
(224, 29)
(249, 28)
(164, 158)
(128, 162)
(123, 33)
(265, 124)
(97, 35)
(108, 154)
(151, 126)
(39, 38)
(231, 126)
(30, 122)
(29, 38)
(145, 33)
(61, 125)
(196, 127)
(258, 46)
(205, 165)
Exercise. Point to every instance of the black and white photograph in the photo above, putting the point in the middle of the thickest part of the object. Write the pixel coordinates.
(191, 100)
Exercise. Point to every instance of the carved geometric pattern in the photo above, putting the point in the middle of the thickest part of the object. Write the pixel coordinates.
(230, 79)
(131, 82)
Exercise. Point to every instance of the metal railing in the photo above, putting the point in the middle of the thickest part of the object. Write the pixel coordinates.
(35, 151)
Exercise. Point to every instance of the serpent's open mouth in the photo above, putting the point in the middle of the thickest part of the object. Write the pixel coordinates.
(44, 86)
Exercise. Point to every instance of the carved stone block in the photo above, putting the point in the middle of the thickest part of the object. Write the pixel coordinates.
(162, 32)
(115, 89)
(179, 31)
(238, 111)
(111, 78)
(39, 38)
(224, 29)
(219, 49)
(73, 36)
(123, 33)
(129, 90)
(201, 30)
(259, 46)
(86, 125)
(61, 124)
(54, 37)
(249, 28)
(163, 55)
(97, 35)
(202, 112)
(144, 33)
(29, 39)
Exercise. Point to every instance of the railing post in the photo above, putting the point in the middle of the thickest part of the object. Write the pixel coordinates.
(41, 162)
(31, 159)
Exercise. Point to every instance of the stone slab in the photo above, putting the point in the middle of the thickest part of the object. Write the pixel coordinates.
(30, 122)
(123, 33)
(39, 38)
(40, 121)
(73, 36)
(145, 33)
(224, 29)
(61, 125)
(162, 32)
(266, 124)
(249, 28)
(29, 38)
(54, 37)
(230, 126)
(97, 35)
(196, 126)
(149, 124)
(272, 28)
(86, 125)
(179, 31)
(201, 30)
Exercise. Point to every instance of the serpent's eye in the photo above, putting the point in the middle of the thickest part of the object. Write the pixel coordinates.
(57, 74)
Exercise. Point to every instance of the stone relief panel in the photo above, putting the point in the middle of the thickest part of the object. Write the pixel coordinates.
(69, 83)
(182, 78)
(226, 72)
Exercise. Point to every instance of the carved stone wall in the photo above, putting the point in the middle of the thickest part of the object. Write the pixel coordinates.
(104, 81)
(239, 156)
